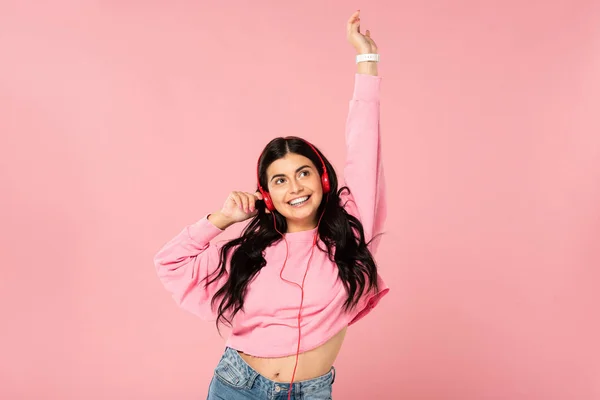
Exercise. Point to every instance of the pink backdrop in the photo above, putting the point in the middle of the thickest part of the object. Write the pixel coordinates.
(123, 121)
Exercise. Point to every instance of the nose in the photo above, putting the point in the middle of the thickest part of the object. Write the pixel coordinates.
(295, 187)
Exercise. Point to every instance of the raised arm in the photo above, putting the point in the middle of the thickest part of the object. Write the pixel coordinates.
(363, 172)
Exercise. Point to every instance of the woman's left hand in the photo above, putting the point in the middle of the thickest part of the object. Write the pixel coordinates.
(362, 43)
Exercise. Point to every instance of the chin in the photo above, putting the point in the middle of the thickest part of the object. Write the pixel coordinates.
(306, 212)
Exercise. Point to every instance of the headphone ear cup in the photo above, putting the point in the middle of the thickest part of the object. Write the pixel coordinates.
(267, 199)
(325, 182)
(268, 202)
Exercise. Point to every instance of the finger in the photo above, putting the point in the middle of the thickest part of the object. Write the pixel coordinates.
(256, 197)
(231, 198)
(370, 39)
(251, 202)
(244, 199)
(250, 199)
(354, 15)
(353, 22)
(352, 28)
(236, 199)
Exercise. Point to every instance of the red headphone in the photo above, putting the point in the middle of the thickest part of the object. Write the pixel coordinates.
(324, 179)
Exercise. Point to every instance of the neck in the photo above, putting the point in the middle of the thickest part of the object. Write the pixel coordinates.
(300, 227)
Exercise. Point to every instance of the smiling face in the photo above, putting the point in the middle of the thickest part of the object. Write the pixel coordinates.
(294, 185)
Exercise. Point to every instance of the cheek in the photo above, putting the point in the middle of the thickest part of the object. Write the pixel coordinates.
(277, 195)
(317, 186)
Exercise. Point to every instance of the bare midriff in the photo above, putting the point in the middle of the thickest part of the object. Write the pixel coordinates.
(311, 364)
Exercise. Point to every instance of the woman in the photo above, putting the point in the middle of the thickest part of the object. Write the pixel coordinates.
(303, 269)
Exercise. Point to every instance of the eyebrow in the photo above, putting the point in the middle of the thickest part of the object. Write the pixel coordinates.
(297, 170)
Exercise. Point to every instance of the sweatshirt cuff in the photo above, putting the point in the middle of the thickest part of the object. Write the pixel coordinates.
(366, 87)
(203, 231)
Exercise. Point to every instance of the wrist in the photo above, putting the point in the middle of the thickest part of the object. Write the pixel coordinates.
(220, 221)
(369, 57)
(365, 50)
(366, 66)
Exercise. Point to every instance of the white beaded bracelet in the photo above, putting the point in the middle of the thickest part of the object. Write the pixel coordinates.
(367, 57)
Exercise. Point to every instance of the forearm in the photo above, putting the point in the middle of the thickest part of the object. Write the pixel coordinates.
(367, 68)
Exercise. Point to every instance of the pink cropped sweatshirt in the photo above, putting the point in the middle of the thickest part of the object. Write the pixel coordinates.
(268, 324)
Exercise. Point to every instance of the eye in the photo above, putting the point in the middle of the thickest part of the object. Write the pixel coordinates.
(305, 172)
(278, 181)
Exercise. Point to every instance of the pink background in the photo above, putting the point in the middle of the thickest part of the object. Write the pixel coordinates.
(123, 121)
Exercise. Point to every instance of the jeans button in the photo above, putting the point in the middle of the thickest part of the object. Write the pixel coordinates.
(277, 388)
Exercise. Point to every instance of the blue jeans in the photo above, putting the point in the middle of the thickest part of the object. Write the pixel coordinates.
(234, 379)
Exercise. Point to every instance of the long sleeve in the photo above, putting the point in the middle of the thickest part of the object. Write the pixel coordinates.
(363, 171)
(184, 264)
(363, 174)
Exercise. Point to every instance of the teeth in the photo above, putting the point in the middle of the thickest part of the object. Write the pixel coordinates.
(299, 200)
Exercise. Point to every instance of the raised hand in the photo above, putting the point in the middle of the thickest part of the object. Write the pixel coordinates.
(240, 206)
(362, 43)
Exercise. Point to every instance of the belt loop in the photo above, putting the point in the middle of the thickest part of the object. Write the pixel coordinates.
(333, 373)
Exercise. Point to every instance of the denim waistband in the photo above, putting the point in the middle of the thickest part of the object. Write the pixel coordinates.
(236, 371)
